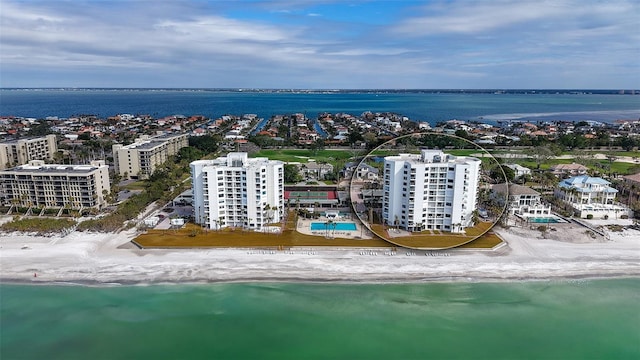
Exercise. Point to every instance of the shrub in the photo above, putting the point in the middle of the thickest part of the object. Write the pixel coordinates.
(589, 216)
(40, 225)
(606, 217)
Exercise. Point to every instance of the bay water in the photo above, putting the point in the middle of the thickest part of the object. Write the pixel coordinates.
(573, 319)
(429, 107)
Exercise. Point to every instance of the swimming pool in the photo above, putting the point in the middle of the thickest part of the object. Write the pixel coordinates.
(545, 220)
(341, 226)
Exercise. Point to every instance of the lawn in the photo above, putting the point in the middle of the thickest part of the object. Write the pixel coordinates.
(193, 236)
(623, 168)
(444, 240)
(302, 155)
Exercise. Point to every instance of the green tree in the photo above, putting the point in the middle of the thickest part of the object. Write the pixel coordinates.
(540, 154)
(207, 143)
(85, 136)
(497, 175)
(462, 133)
(354, 137)
(189, 154)
(291, 174)
(41, 128)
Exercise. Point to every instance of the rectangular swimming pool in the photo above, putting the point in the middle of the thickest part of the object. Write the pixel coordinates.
(342, 226)
(545, 220)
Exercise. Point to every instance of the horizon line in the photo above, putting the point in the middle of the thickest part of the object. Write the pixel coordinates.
(288, 89)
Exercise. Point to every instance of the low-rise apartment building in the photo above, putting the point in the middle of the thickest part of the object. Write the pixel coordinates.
(236, 191)
(55, 186)
(21, 151)
(140, 159)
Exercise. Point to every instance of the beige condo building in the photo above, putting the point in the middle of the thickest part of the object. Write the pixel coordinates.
(21, 151)
(140, 159)
(55, 186)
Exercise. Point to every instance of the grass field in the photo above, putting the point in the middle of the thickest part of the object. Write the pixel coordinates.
(623, 168)
(443, 240)
(302, 155)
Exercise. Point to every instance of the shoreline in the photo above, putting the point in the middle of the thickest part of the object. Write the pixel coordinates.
(99, 259)
(291, 280)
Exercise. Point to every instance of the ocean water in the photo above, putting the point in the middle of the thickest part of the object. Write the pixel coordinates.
(582, 319)
(594, 319)
(417, 106)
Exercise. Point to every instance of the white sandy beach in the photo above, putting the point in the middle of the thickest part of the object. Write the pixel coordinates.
(111, 258)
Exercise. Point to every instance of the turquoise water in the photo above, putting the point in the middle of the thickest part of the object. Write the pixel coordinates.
(544, 220)
(594, 319)
(344, 226)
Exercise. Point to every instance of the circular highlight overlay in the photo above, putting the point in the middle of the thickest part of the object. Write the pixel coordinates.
(367, 189)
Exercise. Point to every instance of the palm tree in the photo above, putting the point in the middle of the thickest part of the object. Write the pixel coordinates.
(327, 226)
(475, 216)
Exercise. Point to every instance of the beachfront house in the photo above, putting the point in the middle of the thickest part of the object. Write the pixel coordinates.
(523, 201)
(591, 197)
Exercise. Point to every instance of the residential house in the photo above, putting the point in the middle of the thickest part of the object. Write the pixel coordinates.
(523, 201)
(519, 170)
(572, 169)
(315, 170)
(591, 196)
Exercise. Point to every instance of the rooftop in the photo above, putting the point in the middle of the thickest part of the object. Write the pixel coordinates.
(514, 189)
(52, 169)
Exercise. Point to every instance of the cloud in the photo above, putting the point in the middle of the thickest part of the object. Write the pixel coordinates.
(471, 17)
(280, 44)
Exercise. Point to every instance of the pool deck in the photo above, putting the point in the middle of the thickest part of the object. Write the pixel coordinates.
(304, 227)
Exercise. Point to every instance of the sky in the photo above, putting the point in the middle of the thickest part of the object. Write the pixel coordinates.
(314, 44)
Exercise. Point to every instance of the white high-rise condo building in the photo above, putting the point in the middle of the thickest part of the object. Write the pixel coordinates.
(237, 191)
(430, 191)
